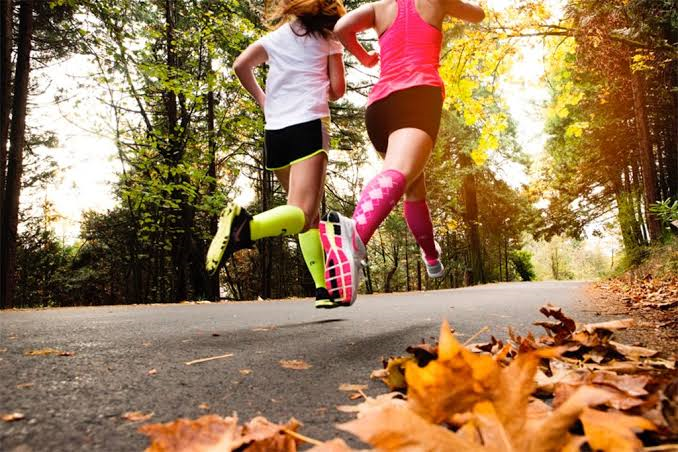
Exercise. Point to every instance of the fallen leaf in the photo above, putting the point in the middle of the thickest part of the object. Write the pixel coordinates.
(352, 388)
(137, 416)
(374, 403)
(394, 373)
(614, 432)
(630, 384)
(48, 352)
(11, 417)
(557, 313)
(3, 349)
(207, 433)
(152, 372)
(24, 385)
(491, 429)
(551, 433)
(451, 384)
(612, 325)
(296, 364)
(204, 406)
(399, 428)
(631, 352)
(245, 371)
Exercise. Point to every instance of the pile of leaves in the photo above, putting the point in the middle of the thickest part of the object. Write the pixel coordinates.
(571, 388)
(646, 292)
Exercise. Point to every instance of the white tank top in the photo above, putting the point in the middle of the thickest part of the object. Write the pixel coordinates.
(297, 86)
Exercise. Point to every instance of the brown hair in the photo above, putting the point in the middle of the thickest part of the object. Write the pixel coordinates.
(317, 16)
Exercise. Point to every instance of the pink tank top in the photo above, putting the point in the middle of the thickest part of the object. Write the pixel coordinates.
(409, 54)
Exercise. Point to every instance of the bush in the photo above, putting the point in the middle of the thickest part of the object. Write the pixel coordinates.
(522, 261)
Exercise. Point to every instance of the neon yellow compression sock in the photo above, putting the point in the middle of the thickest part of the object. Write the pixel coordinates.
(314, 255)
(281, 220)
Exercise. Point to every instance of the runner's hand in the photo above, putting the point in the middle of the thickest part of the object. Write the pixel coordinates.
(371, 60)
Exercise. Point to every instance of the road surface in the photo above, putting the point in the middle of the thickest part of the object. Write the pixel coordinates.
(76, 402)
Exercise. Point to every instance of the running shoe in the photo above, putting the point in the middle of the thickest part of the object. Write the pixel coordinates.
(434, 269)
(345, 251)
(232, 235)
(323, 299)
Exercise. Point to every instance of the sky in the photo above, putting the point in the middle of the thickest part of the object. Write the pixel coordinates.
(87, 156)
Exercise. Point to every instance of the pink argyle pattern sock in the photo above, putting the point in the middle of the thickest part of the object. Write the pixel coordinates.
(418, 219)
(377, 200)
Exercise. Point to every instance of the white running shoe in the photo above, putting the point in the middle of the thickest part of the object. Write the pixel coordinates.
(436, 269)
(344, 251)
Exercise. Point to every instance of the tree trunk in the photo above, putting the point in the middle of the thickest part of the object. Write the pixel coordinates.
(213, 284)
(506, 258)
(671, 34)
(391, 272)
(647, 162)
(12, 193)
(6, 35)
(471, 219)
(264, 245)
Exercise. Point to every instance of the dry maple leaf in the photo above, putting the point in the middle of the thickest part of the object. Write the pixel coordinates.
(451, 384)
(296, 364)
(516, 383)
(261, 435)
(552, 433)
(206, 434)
(213, 433)
(632, 352)
(613, 432)
(393, 375)
(400, 429)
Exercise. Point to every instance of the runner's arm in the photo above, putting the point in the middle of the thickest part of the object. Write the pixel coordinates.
(244, 65)
(349, 26)
(464, 11)
(335, 71)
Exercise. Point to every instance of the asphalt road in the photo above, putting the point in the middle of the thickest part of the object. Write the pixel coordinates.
(75, 402)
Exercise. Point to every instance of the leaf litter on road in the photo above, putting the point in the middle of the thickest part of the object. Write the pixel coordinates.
(211, 358)
(295, 364)
(12, 417)
(573, 388)
(48, 352)
(136, 416)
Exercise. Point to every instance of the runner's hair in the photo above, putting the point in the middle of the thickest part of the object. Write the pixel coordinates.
(318, 17)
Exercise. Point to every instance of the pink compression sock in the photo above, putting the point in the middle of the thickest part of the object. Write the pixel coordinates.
(419, 221)
(377, 200)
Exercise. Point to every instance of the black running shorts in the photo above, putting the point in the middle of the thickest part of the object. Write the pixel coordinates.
(289, 145)
(418, 107)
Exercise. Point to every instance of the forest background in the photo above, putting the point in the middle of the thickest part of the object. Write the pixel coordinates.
(187, 140)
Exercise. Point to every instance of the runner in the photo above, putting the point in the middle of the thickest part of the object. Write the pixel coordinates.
(305, 72)
(402, 120)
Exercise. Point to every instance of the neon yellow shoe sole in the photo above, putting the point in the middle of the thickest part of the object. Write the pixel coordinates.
(215, 253)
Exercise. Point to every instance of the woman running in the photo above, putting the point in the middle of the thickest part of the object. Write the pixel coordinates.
(305, 72)
(402, 120)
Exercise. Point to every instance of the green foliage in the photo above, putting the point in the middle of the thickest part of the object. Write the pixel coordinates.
(667, 211)
(522, 261)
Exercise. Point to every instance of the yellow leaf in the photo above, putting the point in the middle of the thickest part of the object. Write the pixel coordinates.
(613, 432)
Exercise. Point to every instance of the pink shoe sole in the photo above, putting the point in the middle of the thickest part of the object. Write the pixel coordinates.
(337, 265)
